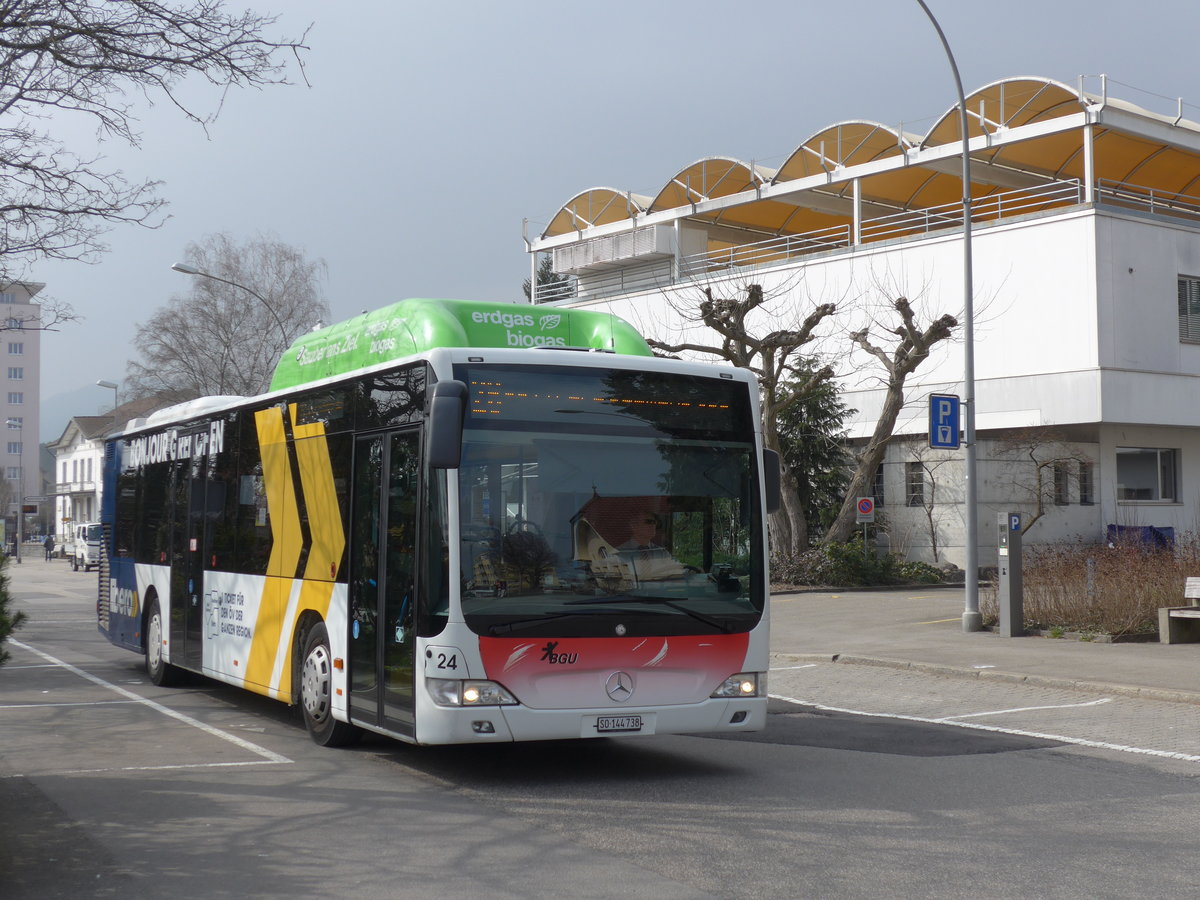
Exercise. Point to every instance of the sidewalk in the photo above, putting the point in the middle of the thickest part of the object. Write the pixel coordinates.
(921, 628)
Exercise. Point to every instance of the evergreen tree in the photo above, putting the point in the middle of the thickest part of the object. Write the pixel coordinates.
(550, 285)
(10, 619)
(813, 447)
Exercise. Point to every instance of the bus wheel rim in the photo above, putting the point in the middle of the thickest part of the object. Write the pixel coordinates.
(154, 641)
(316, 689)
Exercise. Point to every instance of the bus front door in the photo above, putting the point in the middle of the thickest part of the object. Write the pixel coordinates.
(382, 579)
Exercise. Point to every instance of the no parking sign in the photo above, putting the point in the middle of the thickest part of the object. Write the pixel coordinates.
(866, 509)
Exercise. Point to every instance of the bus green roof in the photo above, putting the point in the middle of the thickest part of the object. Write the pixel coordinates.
(417, 325)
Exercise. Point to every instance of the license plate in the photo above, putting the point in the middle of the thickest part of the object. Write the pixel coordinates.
(609, 724)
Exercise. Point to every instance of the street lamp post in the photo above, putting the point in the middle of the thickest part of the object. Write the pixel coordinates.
(19, 426)
(114, 388)
(972, 620)
(192, 270)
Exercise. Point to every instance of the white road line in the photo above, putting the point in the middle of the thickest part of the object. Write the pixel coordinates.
(268, 755)
(790, 668)
(1062, 739)
(45, 705)
(1021, 709)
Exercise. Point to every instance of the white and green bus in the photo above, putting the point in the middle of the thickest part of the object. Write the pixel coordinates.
(452, 522)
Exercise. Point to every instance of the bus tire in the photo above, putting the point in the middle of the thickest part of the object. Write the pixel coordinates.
(316, 692)
(74, 563)
(160, 671)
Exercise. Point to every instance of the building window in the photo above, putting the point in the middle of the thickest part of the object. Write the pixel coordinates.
(914, 481)
(877, 486)
(16, 373)
(1087, 481)
(16, 348)
(16, 397)
(74, 470)
(1062, 488)
(88, 476)
(64, 474)
(1145, 473)
(1189, 309)
(14, 447)
(15, 324)
(7, 297)
(14, 473)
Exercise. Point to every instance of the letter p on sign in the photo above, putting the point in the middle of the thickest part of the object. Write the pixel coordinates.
(943, 421)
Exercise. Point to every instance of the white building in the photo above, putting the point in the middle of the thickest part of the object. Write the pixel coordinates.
(78, 458)
(20, 346)
(1086, 247)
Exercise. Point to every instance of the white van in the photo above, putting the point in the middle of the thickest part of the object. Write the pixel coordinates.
(85, 546)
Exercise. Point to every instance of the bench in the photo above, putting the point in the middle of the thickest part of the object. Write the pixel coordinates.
(1181, 624)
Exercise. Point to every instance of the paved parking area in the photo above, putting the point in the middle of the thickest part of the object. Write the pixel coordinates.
(1149, 728)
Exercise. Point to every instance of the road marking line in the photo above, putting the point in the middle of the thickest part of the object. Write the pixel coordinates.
(224, 765)
(269, 755)
(8, 668)
(790, 668)
(1004, 712)
(1062, 739)
(939, 621)
(44, 705)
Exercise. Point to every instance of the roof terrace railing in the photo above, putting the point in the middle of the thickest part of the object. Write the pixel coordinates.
(778, 251)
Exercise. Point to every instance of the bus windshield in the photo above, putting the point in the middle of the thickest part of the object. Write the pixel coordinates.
(601, 502)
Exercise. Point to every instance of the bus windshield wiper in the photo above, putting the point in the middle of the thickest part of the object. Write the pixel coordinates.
(723, 627)
(521, 624)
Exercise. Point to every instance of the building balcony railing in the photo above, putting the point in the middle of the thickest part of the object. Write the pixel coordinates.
(75, 487)
(1056, 196)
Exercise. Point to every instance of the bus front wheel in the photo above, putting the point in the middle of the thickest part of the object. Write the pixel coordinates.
(160, 671)
(316, 692)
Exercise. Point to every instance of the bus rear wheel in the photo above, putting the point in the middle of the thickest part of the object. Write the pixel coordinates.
(316, 692)
(160, 671)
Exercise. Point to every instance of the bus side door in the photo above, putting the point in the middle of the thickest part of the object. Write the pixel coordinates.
(383, 578)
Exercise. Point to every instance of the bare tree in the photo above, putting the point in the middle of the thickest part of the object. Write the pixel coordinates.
(226, 336)
(1044, 458)
(784, 379)
(910, 348)
(45, 315)
(929, 465)
(88, 58)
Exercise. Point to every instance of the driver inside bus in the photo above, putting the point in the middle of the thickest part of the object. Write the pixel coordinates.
(646, 552)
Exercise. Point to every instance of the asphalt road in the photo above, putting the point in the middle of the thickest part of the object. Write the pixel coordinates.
(111, 787)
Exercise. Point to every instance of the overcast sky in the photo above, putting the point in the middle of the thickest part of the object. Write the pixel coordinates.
(431, 130)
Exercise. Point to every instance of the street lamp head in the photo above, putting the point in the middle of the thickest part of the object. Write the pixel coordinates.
(186, 269)
(106, 384)
(13, 423)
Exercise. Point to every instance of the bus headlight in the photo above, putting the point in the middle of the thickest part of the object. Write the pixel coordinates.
(744, 684)
(453, 692)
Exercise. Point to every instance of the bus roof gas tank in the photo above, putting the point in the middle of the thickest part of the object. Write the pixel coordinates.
(417, 325)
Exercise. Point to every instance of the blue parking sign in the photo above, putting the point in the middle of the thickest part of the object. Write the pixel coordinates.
(943, 421)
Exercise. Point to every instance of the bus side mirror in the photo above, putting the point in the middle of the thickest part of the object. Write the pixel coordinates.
(770, 465)
(445, 423)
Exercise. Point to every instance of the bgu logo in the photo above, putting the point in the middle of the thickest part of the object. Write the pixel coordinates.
(550, 655)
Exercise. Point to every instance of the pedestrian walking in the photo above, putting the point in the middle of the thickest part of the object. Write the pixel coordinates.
(48, 544)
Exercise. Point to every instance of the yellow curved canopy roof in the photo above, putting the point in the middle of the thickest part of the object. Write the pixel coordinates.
(1031, 131)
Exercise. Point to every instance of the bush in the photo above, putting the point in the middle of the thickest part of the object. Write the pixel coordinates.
(847, 565)
(1100, 589)
(10, 619)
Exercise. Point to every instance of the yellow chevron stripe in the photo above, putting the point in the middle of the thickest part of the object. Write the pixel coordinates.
(286, 544)
(328, 539)
(286, 536)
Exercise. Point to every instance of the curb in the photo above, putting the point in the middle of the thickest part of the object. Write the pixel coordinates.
(1092, 687)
